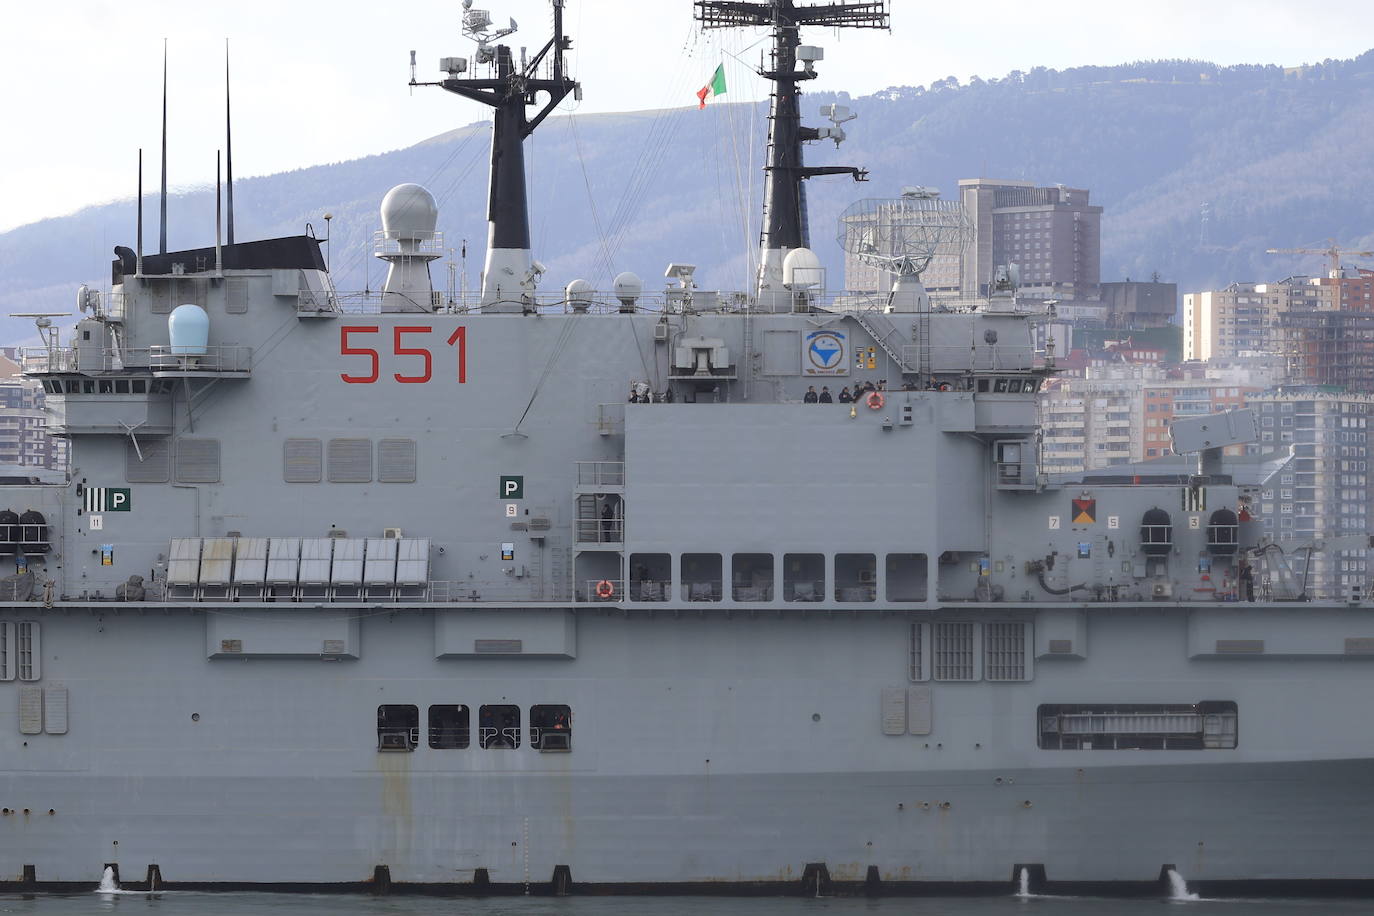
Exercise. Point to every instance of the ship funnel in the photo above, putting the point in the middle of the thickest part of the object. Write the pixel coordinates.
(188, 328)
(408, 241)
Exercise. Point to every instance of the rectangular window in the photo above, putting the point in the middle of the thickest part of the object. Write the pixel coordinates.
(398, 727)
(551, 728)
(499, 727)
(856, 577)
(448, 727)
(803, 577)
(751, 577)
(1004, 651)
(1210, 725)
(953, 651)
(701, 576)
(650, 576)
(907, 577)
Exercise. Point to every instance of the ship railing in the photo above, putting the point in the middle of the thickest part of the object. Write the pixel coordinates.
(601, 473)
(369, 302)
(227, 359)
(47, 359)
(389, 242)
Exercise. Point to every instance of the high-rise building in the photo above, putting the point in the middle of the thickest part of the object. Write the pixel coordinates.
(1244, 318)
(1325, 491)
(1120, 413)
(1052, 234)
(24, 438)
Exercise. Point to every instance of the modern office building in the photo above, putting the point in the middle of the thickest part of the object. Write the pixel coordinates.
(1052, 234)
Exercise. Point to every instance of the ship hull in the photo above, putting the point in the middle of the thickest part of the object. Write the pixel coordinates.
(708, 752)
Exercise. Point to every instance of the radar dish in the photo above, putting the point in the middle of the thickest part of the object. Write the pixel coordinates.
(905, 234)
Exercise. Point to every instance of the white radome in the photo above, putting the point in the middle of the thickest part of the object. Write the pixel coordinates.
(409, 212)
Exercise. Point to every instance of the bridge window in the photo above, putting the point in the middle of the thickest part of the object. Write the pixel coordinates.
(398, 727)
(803, 577)
(751, 576)
(856, 577)
(907, 577)
(1209, 725)
(448, 727)
(499, 727)
(551, 728)
(701, 576)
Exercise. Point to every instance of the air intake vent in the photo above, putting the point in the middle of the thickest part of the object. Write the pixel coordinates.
(155, 466)
(303, 461)
(396, 461)
(350, 460)
(197, 461)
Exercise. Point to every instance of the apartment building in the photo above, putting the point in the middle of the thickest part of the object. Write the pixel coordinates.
(1325, 491)
(1244, 319)
(1120, 413)
(24, 438)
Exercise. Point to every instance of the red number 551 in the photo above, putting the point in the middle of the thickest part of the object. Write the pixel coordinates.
(458, 338)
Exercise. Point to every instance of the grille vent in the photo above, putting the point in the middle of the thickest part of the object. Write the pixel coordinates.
(197, 461)
(154, 467)
(303, 461)
(350, 460)
(396, 460)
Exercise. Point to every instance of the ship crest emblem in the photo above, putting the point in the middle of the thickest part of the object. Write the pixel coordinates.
(824, 353)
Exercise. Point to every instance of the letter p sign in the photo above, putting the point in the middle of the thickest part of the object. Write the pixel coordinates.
(512, 487)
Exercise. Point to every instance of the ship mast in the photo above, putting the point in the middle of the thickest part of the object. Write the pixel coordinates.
(510, 276)
(784, 194)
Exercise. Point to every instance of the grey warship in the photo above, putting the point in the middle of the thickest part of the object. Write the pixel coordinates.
(578, 591)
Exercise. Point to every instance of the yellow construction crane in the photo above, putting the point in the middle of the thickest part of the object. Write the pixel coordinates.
(1332, 251)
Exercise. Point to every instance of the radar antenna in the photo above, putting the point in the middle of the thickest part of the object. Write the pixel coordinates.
(509, 279)
(902, 237)
(784, 217)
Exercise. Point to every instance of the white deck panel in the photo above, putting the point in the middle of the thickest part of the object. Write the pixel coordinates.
(315, 554)
(348, 561)
(183, 564)
(283, 560)
(412, 565)
(250, 561)
(217, 561)
(380, 566)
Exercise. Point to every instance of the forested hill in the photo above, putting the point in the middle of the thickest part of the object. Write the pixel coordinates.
(1276, 158)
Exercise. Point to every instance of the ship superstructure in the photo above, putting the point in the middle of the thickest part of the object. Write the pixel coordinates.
(667, 590)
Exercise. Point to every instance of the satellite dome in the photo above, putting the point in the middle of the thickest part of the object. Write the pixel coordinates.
(409, 212)
(802, 269)
(579, 293)
(188, 329)
(628, 286)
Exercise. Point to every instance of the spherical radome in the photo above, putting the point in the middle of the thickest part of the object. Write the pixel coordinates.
(409, 212)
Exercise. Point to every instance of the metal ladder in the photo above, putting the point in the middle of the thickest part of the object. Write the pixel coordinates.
(881, 329)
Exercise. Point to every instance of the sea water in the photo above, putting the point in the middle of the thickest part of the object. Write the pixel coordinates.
(188, 903)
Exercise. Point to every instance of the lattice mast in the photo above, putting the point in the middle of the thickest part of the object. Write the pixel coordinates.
(784, 195)
(511, 275)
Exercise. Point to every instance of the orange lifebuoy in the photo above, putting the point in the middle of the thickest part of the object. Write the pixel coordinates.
(604, 589)
(874, 400)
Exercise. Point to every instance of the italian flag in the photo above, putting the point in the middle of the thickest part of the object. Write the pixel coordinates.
(713, 88)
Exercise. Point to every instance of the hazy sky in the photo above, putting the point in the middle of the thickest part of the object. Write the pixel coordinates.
(323, 82)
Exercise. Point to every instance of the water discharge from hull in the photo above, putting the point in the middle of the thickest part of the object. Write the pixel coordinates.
(1023, 883)
(108, 884)
(1178, 887)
